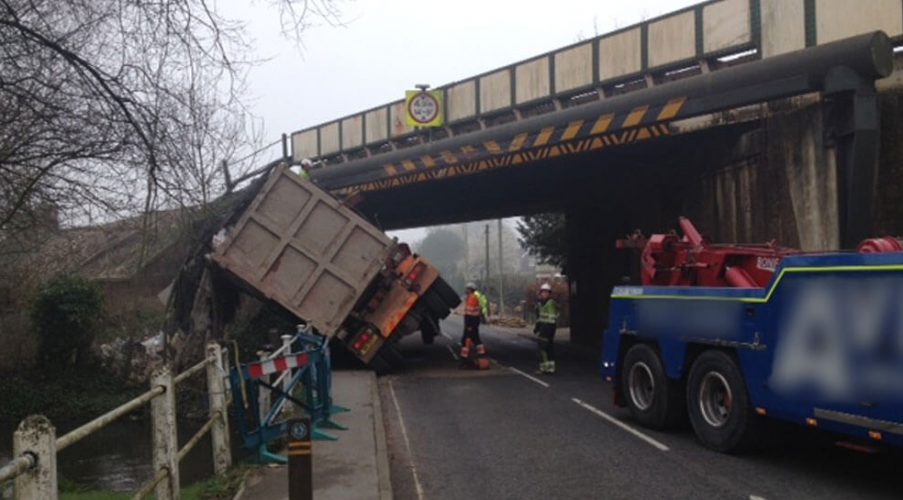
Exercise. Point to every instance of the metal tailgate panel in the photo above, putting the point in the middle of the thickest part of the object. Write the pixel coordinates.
(301, 248)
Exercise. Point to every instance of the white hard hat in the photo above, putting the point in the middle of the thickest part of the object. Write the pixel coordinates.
(306, 163)
(545, 288)
(471, 285)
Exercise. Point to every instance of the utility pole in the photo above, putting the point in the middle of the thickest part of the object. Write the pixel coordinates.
(501, 274)
(486, 238)
(467, 275)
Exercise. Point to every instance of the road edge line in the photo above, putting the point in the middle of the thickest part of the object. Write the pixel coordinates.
(383, 470)
(529, 377)
(622, 425)
(407, 442)
(452, 351)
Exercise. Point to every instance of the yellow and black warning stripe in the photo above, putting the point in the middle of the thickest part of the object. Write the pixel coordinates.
(640, 123)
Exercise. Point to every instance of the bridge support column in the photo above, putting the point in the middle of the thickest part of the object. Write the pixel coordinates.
(853, 125)
(594, 266)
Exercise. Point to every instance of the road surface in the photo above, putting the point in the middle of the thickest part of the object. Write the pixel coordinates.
(506, 433)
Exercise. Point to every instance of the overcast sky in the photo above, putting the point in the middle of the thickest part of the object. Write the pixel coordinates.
(387, 46)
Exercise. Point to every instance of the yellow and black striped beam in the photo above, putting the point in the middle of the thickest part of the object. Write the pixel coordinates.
(579, 136)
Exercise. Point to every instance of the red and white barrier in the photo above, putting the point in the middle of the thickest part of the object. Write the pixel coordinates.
(276, 365)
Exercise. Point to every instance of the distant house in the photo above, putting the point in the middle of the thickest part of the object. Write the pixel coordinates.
(133, 259)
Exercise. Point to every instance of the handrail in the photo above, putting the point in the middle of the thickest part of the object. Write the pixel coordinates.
(197, 436)
(17, 466)
(149, 487)
(102, 421)
(45, 457)
(191, 371)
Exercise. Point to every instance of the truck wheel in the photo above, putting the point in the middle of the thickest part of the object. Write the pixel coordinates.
(428, 330)
(392, 355)
(436, 305)
(447, 293)
(380, 366)
(718, 404)
(654, 400)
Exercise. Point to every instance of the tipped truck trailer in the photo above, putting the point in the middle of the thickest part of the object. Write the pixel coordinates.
(297, 245)
(732, 335)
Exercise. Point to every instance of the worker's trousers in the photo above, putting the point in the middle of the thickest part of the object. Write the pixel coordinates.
(471, 330)
(546, 333)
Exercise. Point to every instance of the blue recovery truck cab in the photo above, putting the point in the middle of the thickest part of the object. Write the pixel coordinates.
(820, 346)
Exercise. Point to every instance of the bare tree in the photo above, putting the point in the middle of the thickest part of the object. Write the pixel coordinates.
(111, 107)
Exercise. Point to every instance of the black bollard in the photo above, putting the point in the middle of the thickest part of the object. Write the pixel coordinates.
(300, 460)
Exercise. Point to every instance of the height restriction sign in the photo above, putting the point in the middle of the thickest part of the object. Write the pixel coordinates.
(424, 108)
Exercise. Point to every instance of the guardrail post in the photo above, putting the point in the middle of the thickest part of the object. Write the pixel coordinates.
(263, 394)
(36, 435)
(216, 391)
(165, 438)
(287, 379)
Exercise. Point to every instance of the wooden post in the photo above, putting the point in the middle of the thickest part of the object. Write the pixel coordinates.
(165, 437)
(216, 395)
(37, 436)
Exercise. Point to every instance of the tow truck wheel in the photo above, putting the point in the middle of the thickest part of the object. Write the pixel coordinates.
(653, 399)
(718, 404)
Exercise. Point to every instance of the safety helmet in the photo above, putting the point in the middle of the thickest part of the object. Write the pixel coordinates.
(306, 163)
(545, 287)
(471, 285)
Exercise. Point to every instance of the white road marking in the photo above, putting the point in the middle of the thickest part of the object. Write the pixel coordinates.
(756, 497)
(530, 377)
(452, 351)
(407, 443)
(449, 337)
(622, 425)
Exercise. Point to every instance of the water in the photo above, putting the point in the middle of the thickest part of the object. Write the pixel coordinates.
(118, 457)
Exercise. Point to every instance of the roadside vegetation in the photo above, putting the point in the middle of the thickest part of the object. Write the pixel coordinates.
(214, 488)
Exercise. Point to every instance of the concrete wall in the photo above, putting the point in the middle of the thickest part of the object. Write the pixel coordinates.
(889, 191)
(781, 185)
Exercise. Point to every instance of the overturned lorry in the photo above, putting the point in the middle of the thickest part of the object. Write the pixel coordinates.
(296, 245)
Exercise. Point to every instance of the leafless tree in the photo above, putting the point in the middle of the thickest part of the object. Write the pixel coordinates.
(112, 107)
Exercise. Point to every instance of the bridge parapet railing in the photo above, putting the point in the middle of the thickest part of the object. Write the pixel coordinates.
(695, 39)
(35, 444)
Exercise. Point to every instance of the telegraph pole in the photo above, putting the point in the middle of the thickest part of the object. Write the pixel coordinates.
(501, 274)
(467, 275)
(486, 238)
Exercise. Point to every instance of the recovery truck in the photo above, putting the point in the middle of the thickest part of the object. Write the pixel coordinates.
(730, 336)
(316, 257)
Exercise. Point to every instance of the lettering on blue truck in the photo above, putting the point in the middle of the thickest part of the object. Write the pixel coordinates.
(822, 342)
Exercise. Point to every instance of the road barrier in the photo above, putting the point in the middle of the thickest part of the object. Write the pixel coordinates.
(35, 445)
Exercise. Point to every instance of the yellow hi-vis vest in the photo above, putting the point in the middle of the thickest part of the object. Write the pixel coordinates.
(548, 312)
(484, 303)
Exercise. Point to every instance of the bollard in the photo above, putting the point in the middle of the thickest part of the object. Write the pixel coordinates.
(300, 460)
(216, 392)
(165, 439)
(37, 436)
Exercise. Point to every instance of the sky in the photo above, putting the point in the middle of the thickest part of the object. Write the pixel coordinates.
(388, 46)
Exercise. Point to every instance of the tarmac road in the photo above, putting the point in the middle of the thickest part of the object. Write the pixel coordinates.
(505, 433)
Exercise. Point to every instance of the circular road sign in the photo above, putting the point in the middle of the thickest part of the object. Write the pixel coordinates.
(423, 108)
(298, 431)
